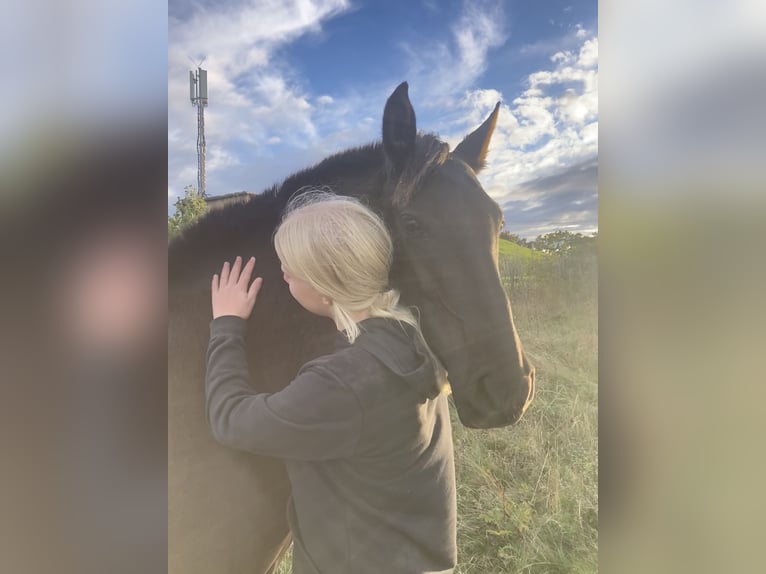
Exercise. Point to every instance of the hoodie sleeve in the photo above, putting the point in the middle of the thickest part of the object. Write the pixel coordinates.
(316, 417)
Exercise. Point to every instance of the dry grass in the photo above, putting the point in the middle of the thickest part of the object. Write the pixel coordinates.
(528, 494)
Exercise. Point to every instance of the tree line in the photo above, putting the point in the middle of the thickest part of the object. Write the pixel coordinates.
(558, 242)
(189, 208)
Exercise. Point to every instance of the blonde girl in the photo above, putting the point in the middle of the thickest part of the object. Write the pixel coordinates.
(364, 431)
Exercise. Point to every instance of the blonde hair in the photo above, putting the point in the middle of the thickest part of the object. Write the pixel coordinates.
(344, 251)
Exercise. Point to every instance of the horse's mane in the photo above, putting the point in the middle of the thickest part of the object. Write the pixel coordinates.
(262, 212)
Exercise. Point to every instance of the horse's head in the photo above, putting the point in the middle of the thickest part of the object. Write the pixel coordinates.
(445, 229)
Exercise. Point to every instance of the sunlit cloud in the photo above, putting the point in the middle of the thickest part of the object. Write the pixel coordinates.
(544, 135)
(449, 66)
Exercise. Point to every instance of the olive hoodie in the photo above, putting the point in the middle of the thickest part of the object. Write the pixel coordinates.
(366, 438)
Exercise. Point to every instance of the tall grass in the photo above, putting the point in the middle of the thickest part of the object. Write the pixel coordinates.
(528, 494)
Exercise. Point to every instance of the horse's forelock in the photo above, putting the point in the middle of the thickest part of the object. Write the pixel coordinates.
(430, 153)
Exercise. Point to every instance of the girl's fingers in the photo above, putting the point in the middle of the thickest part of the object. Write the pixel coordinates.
(225, 273)
(234, 276)
(244, 279)
(214, 285)
(252, 293)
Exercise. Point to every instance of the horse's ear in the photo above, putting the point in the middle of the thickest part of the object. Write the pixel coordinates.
(473, 149)
(399, 129)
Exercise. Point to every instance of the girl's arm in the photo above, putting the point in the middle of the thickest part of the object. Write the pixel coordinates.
(316, 417)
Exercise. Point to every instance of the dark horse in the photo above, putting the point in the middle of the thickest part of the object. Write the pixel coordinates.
(227, 508)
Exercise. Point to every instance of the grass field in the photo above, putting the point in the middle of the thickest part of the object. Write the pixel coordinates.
(517, 252)
(528, 494)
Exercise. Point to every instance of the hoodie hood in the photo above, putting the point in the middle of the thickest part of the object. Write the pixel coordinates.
(397, 346)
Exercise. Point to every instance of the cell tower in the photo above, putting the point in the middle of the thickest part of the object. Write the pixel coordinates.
(198, 95)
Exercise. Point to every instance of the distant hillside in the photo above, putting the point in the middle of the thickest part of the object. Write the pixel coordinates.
(516, 251)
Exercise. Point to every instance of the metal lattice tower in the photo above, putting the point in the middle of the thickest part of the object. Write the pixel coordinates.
(198, 96)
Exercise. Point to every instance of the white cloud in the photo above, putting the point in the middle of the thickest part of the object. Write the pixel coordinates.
(573, 38)
(477, 104)
(188, 174)
(576, 105)
(589, 133)
(325, 100)
(565, 57)
(447, 68)
(550, 127)
(588, 54)
(217, 157)
(475, 33)
(252, 98)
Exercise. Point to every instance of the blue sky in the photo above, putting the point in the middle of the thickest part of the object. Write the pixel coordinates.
(291, 82)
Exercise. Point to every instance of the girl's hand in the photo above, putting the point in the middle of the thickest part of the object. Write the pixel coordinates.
(231, 295)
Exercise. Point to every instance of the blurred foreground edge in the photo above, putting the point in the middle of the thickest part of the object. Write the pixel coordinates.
(84, 356)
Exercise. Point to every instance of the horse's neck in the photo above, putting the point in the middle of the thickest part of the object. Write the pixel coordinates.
(361, 169)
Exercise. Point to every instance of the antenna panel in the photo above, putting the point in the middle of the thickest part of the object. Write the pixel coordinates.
(203, 85)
